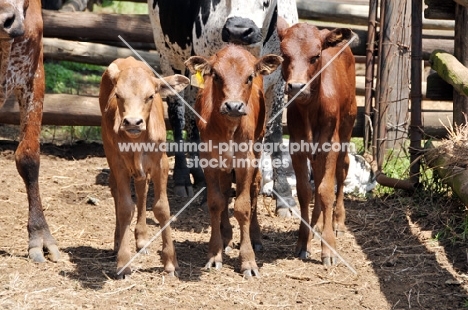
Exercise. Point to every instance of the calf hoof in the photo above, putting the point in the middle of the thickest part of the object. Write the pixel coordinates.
(257, 246)
(250, 272)
(339, 233)
(173, 274)
(329, 261)
(217, 265)
(37, 255)
(183, 191)
(123, 273)
(143, 251)
(286, 212)
(303, 254)
(227, 249)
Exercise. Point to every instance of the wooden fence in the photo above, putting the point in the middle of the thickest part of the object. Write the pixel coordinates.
(92, 38)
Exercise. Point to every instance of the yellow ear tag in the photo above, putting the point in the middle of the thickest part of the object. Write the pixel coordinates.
(197, 80)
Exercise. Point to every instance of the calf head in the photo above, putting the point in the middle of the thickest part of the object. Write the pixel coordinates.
(135, 91)
(248, 22)
(301, 47)
(230, 76)
(12, 14)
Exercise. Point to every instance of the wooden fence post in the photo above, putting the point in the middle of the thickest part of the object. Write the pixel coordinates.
(394, 74)
(460, 102)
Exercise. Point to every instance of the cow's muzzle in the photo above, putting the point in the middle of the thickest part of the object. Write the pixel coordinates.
(12, 25)
(239, 30)
(233, 109)
(296, 89)
(133, 126)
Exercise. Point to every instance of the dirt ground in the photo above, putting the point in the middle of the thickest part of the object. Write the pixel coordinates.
(391, 243)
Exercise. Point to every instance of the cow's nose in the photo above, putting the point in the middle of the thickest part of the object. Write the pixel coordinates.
(132, 121)
(239, 30)
(12, 26)
(294, 88)
(235, 108)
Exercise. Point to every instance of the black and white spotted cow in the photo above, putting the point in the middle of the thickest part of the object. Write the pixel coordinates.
(184, 28)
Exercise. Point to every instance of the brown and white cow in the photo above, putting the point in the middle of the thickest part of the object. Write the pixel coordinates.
(22, 73)
(132, 115)
(323, 113)
(232, 103)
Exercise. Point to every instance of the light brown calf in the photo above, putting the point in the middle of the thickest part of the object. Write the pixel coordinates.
(323, 113)
(22, 73)
(232, 102)
(132, 113)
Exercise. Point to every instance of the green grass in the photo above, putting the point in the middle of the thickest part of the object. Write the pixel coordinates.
(121, 7)
(65, 77)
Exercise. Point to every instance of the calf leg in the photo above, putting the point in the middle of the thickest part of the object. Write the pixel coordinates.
(162, 213)
(242, 212)
(181, 176)
(255, 233)
(27, 163)
(304, 195)
(342, 166)
(216, 205)
(225, 181)
(141, 231)
(324, 174)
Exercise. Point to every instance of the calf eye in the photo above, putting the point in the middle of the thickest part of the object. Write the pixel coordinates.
(216, 77)
(266, 4)
(117, 96)
(150, 98)
(249, 79)
(314, 59)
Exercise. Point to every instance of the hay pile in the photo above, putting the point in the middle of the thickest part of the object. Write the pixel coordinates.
(449, 158)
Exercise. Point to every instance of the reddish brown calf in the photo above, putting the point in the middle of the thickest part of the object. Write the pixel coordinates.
(132, 113)
(232, 103)
(22, 73)
(323, 113)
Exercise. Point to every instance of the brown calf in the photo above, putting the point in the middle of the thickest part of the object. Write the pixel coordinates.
(232, 103)
(22, 73)
(132, 112)
(323, 113)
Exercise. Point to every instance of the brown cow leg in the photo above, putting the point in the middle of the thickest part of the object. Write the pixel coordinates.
(162, 213)
(141, 231)
(340, 214)
(27, 162)
(255, 233)
(226, 228)
(124, 213)
(304, 195)
(326, 197)
(114, 191)
(242, 212)
(216, 205)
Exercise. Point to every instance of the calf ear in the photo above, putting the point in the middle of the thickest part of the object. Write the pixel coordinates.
(337, 37)
(113, 71)
(197, 64)
(281, 26)
(267, 64)
(177, 82)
